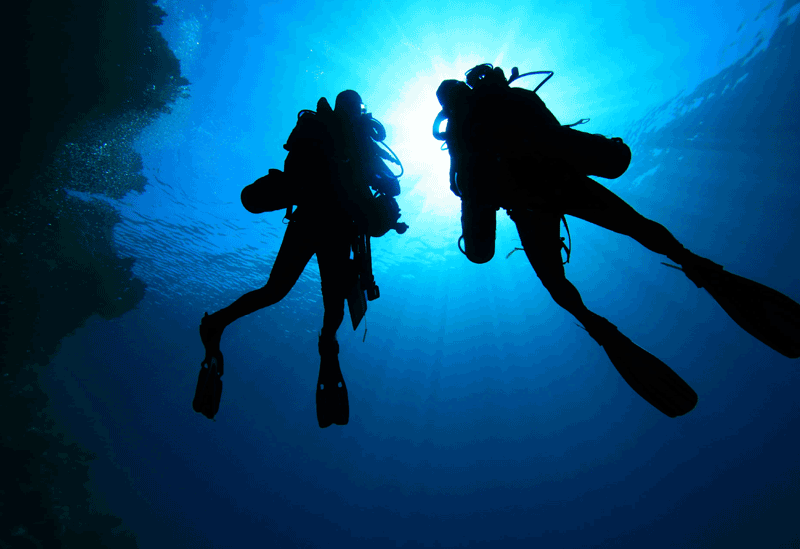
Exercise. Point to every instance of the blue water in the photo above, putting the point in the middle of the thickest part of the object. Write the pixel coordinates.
(481, 415)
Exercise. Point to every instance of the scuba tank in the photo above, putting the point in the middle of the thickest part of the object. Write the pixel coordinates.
(278, 190)
(588, 153)
(478, 228)
(268, 194)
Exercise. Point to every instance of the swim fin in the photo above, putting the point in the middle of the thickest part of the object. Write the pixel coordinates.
(208, 393)
(766, 314)
(653, 380)
(210, 336)
(332, 403)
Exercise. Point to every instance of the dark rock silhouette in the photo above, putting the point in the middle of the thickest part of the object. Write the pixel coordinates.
(88, 76)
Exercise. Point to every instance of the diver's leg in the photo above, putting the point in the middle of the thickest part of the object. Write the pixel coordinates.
(591, 201)
(648, 376)
(539, 231)
(594, 203)
(295, 252)
(767, 315)
(335, 275)
(333, 254)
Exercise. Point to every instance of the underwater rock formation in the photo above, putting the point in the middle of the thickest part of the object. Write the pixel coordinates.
(89, 76)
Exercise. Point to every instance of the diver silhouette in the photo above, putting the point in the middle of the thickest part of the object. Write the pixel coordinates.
(333, 160)
(507, 150)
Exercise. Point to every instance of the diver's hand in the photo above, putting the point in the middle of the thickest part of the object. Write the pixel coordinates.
(382, 215)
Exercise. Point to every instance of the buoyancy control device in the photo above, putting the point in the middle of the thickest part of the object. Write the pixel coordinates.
(487, 118)
(527, 123)
(310, 147)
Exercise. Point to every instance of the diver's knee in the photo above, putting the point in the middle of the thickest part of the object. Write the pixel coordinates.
(331, 321)
(334, 311)
(555, 283)
(551, 277)
(648, 226)
(273, 292)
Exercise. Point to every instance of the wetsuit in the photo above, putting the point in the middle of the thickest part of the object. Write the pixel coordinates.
(507, 150)
(498, 151)
(321, 224)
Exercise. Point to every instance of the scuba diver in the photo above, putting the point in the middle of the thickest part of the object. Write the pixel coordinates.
(333, 160)
(495, 135)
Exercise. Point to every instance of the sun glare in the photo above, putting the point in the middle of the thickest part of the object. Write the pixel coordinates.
(411, 117)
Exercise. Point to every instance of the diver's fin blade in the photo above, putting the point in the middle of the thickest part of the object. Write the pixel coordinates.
(766, 314)
(341, 412)
(208, 393)
(210, 339)
(333, 405)
(323, 417)
(332, 402)
(653, 380)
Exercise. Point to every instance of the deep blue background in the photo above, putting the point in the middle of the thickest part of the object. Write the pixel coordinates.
(481, 415)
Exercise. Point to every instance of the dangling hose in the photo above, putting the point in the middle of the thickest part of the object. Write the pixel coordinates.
(515, 75)
(578, 123)
(564, 246)
(396, 160)
(568, 249)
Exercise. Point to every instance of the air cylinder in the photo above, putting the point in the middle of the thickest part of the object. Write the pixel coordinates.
(479, 227)
(588, 153)
(268, 194)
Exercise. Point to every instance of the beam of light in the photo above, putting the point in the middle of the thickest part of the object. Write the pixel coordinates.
(411, 117)
(433, 53)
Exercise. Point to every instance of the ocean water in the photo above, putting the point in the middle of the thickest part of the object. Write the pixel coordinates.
(480, 414)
